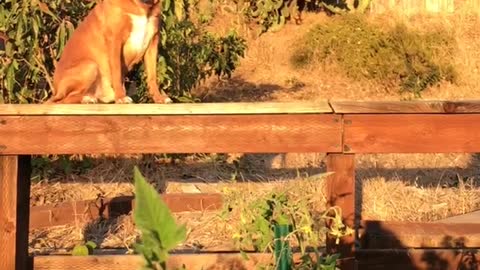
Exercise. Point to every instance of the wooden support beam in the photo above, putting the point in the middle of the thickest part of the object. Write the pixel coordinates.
(419, 259)
(374, 234)
(170, 134)
(412, 133)
(220, 260)
(409, 107)
(471, 217)
(14, 212)
(340, 190)
(69, 212)
(167, 109)
(130, 262)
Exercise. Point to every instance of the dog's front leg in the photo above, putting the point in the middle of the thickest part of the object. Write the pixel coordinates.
(116, 71)
(150, 60)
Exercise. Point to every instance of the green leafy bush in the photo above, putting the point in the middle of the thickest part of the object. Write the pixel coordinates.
(37, 31)
(191, 55)
(393, 57)
(271, 15)
(261, 217)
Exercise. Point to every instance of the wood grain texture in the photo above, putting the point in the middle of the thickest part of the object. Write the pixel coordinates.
(355, 107)
(418, 259)
(472, 217)
(207, 261)
(70, 212)
(390, 234)
(167, 109)
(169, 134)
(412, 133)
(340, 191)
(14, 212)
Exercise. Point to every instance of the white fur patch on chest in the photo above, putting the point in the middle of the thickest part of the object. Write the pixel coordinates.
(141, 33)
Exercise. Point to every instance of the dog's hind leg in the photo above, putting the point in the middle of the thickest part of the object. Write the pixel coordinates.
(77, 84)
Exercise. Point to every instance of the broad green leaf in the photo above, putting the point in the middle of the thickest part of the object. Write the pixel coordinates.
(153, 217)
(91, 245)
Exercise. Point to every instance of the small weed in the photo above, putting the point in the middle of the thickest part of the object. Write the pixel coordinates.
(44, 167)
(261, 219)
(85, 249)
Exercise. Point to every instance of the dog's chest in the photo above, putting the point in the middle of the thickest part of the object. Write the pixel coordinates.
(142, 31)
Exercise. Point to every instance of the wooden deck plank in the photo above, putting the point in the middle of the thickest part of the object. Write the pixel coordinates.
(381, 107)
(170, 134)
(168, 109)
(389, 234)
(411, 133)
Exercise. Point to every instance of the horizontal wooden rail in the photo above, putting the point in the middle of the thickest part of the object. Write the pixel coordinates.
(169, 134)
(411, 133)
(69, 212)
(302, 107)
(338, 128)
(400, 107)
(418, 259)
(191, 261)
(167, 109)
(388, 234)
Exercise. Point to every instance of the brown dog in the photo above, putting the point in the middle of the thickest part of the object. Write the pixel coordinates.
(113, 37)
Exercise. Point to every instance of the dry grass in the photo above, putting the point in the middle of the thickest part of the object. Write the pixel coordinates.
(404, 187)
(408, 187)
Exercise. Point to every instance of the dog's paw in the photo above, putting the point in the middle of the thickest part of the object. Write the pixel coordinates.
(89, 100)
(167, 100)
(124, 100)
(162, 100)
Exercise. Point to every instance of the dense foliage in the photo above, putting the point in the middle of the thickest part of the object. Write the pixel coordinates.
(37, 31)
(271, 15)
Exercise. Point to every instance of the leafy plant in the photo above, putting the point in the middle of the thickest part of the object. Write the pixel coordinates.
(271, 15)
(189, 54)
(153, 218)
(36, 32)
(396, 57)
(46, 166)
(342, 7)
(85, 249)
(260, 218)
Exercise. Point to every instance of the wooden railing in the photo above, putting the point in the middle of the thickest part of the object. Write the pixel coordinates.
(341, 129)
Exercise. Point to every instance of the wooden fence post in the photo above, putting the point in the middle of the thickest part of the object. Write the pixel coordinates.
(340, 190)
(14, 212)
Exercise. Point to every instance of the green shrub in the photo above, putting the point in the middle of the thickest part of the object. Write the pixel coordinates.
(37, 32)
(192, 55)
(271, 15)
(393, 57)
